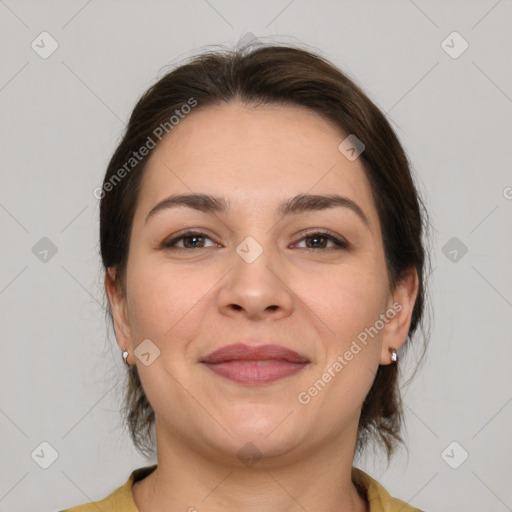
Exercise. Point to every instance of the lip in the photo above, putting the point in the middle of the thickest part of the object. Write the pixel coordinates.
(243, 352)
(254, 365)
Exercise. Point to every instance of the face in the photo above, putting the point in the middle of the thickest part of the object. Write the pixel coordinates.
(311, 279)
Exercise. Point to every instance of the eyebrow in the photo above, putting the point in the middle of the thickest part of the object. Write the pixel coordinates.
(298, 204)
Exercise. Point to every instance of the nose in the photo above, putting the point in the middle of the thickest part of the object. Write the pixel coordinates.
(256, 290)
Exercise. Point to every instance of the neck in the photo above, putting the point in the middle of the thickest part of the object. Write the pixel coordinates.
(188, 480)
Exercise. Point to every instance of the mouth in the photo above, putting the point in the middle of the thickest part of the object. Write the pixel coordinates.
(255, 365)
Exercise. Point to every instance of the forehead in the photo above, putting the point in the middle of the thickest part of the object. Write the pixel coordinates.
(255, 156)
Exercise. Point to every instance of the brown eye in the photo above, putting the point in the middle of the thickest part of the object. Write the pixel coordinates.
(191, 240)
(321, 240)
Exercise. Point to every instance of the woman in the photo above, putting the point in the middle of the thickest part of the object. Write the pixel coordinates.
(262, 242)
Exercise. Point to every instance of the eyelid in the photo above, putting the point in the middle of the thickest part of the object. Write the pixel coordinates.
(177, 237)
(339, 241)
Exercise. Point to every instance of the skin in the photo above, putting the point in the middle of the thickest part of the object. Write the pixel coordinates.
(316, 302)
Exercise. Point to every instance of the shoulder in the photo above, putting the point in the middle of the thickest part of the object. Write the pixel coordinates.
(379, 499)
(120, 499)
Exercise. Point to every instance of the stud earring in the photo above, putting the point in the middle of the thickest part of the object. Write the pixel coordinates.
(125, 357)
(394, 354)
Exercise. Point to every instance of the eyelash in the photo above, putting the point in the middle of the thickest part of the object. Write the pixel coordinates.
(340, 244)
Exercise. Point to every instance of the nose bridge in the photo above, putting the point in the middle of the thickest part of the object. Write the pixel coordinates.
(254, 261)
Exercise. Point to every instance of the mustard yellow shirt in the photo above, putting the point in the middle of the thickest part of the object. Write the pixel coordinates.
(121, 500)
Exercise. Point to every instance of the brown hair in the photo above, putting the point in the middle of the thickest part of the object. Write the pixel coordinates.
(275, 74)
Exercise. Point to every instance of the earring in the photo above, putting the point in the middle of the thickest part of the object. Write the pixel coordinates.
(394, 354)
(125, 357)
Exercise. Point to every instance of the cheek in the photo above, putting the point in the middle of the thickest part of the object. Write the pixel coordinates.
(347, 300)
(350, 304)
(161, 301)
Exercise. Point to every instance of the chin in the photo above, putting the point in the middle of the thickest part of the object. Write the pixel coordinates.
(255, 452)
(257, 438)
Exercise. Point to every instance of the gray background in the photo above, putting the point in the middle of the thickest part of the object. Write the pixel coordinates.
(62, 116)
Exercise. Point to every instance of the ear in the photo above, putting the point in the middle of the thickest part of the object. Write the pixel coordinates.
(117, 301)
(402, 303)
